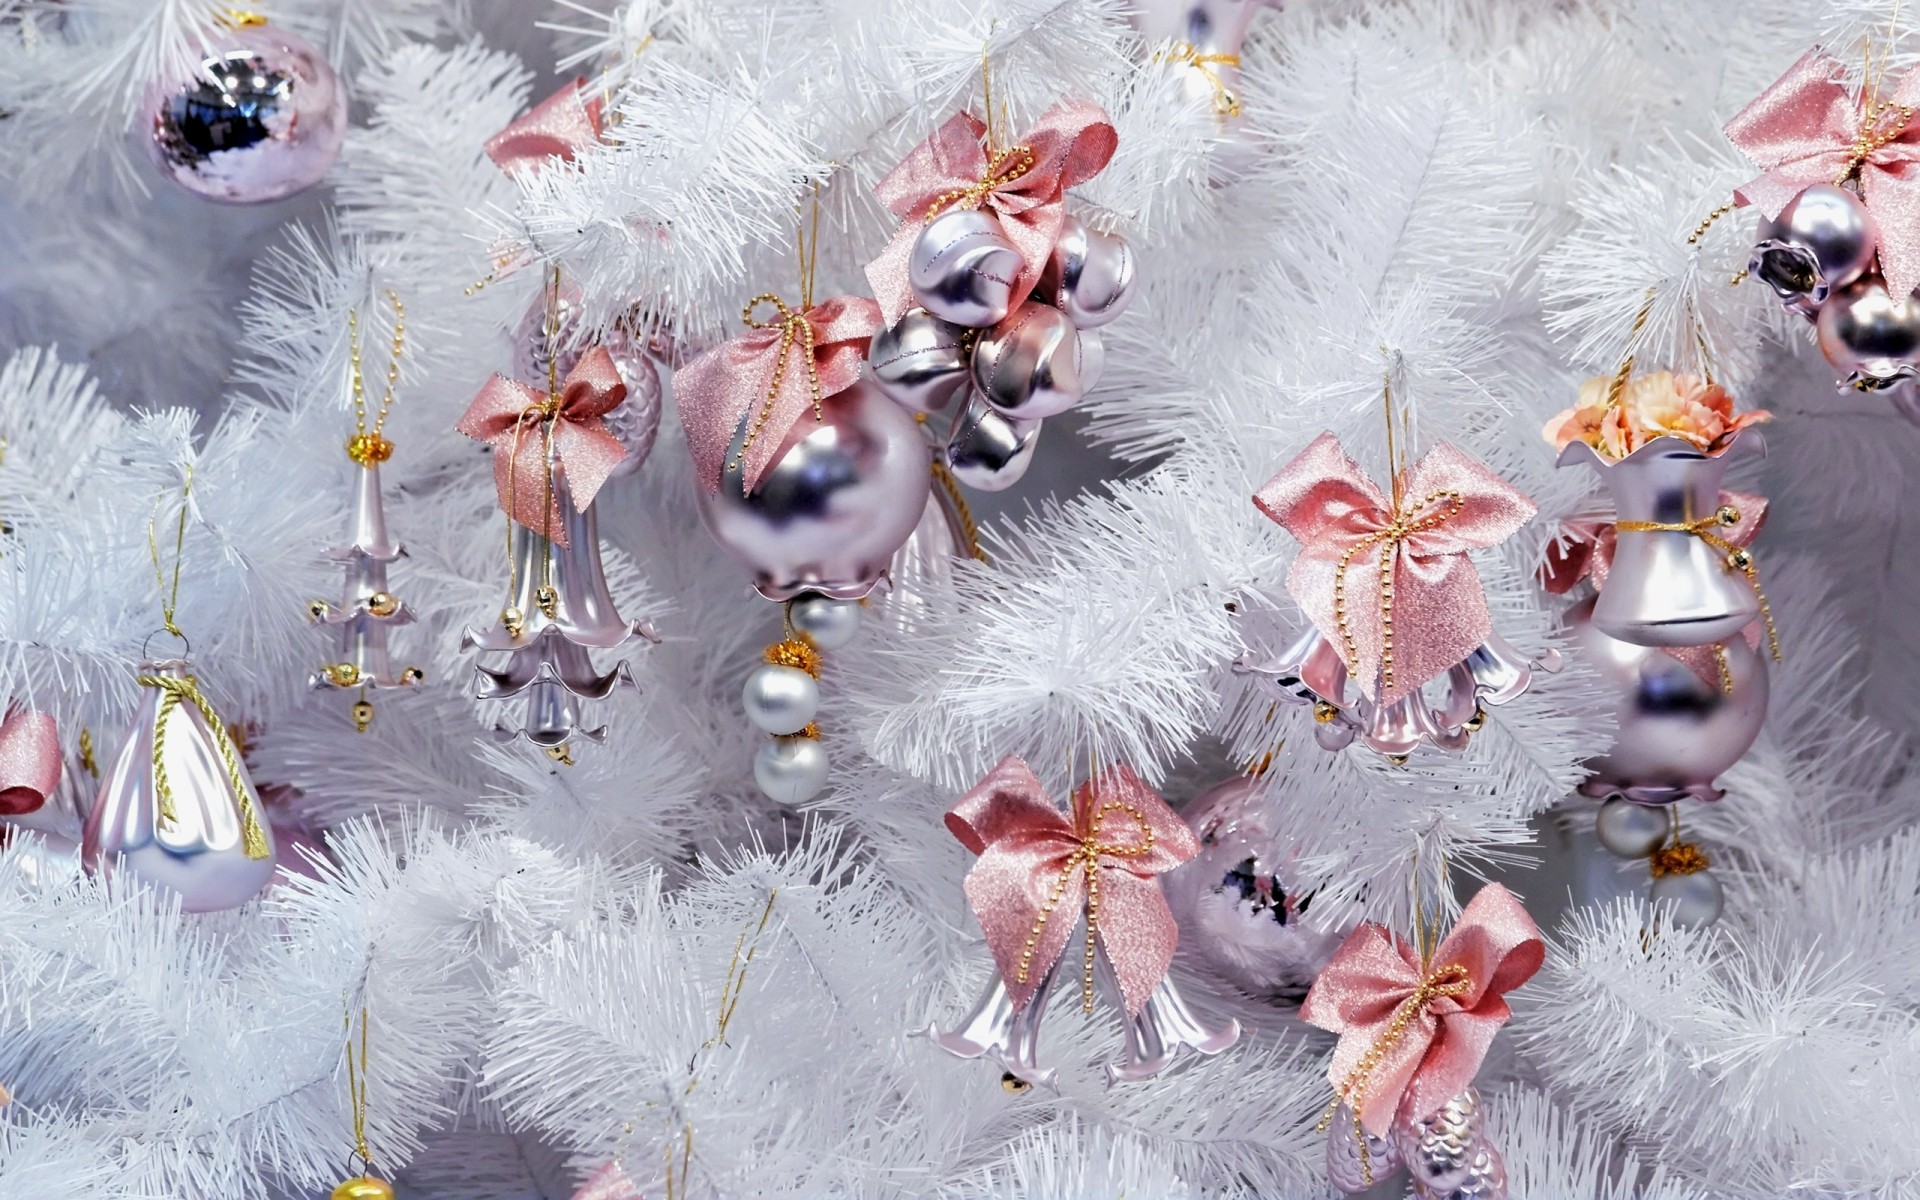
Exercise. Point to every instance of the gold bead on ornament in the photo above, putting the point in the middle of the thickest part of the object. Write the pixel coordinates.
(318, 609)
(548, 598)
(413, 675)
(1477, 721)
(383, 604)
(365, 1187)
(1013, 1083)
(1398, 760)
(342, 674)
(1325, 712)
(1741, 559)
(513, 619)
(562, 754)
(362, 715)
(1728, 515)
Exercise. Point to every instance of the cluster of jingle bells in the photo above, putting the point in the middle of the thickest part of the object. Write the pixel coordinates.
(1392, 683)
(1832, 158)
(1674, 626)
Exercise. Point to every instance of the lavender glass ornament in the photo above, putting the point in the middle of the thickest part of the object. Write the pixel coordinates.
(962, 268)
(1630, 829)
(989, 451)
(1028, 366)
(1678, 729)
(1437, 1149)
(200, 852)
(1213, 28)
(1157, 1033)
(1870, 335)
(841, 496)
(1093, 358)
(1823, 240)
(1347, 1168)
(1010, 1037)
(1670, 587)
(367, 611)
(920, 361)
(1089, 276)
(259, 117)
(539, 360)
(1485, 1179)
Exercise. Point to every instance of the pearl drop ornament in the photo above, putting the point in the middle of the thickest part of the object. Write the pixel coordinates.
(825, 623)
(791, 770)
(780, 700)
(1696, 898)
(1630, 830)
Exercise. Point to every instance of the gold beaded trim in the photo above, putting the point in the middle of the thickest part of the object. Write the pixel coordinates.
(1389, 540)
(795, 329)
(368, 446)
(1738, 558)
(1086, 858)
(1003, 168)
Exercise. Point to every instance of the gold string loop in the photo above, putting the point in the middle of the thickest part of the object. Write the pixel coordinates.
(1225, 103)
(1738, 558)
(174, 690)
(1086, 858)
(1389, 540)
(171, 604)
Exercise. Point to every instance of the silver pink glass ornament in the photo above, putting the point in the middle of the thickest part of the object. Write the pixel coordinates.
(962, 268)
(259, 117)
(1351, 1168)
(1680, 726)
(1823, 240)
(842, 495)
(1239, 909)
(1028, 366)
(176, 808)
(1089, 276)
(1669, 586)
(1870, 335)
(1213, 29)
(558, 610)
(1160, 1030)
(988, 451)
(1438, 1149)
(367, 610)
(920, 361)
(1008, 1036)
(540, 359)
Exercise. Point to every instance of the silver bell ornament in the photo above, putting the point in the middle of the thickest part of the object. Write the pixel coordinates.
(548, 345)
(988, 451)
(1670, 585)
(367, 610)
(919, 361)
(1209, 32)
(1823, 240)
(1028, 366)
(1008, 1036)
(1679, 724)
(1163, 1026)
(1357, 1159)
(791, 770)
(1237, 907)
(176, 808)
(1629, 829)
(1089, 276)
(962, 268)
(259, 116)
(841, 496)
(1870, 335)
(558, 609)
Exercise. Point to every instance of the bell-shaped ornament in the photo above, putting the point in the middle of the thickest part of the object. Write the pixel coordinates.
(1089, 276)
(1156, 1034)
(1008, 1036)
(989, 451)
(368, 610)
(1213, 30)
(1670, 585)
(962, 268)
(842, 495)
(1870, 334)
(1681, 723)
(920, 361)
(176, 808)
(1028, 366)
(1823, 240)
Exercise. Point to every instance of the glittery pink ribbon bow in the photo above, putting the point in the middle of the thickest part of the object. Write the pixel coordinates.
(772, 375)
(29, 760)
(1808, 128)
(1393, 591)
(560, 126)
(1070, 144)
(512, 418)
(1037, 871)
(1447, 1013)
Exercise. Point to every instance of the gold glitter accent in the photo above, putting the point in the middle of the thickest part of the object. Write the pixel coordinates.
(796, 654)
(1682, 858)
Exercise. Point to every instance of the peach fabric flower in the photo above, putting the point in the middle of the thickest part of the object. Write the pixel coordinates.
(1661, 404)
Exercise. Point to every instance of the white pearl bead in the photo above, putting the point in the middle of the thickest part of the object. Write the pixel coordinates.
(826, 624)
(1691, 900)
(780, 699)
(790, 770)
(1631, 830)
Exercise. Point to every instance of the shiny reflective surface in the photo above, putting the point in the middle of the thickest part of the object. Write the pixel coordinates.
(826, 623)
(1669, 587)
(1823, 240)
(989, 451)
(1161, 1029)
(261, 117)
(1437, 1149)
(962, 268)
(635, 421)
(790, 770)
(1870, 335)
(363, 632)
(995, 1030)
(1028, 366)
(1691, 900)
(780, 700)
(1346, 1168)
(200, 854)
(1089, 276)
(1630, 830)
(921, 361)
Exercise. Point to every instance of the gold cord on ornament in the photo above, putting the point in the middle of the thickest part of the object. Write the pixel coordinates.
(1618, 386)
(950, 487)
(171, 603)
(357, 1093)
(1086, 858)
(1003, 166)
(1875, 130)
(369, 446)
(1225, 103)
(796, 332)
(1737, 558)
(87, 763)
(173, 691)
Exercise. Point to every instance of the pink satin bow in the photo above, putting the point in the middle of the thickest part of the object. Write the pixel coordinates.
(770, 374)
(1031, 882)
(509, 416)
(29, 760)
(1436, 610)
(560, 126)
(1807, 128)
(1070, 144)
(1449, 1010)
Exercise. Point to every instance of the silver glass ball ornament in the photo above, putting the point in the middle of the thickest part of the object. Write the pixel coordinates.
(1823, 240)
(790, 770)
(1869, 334)
(919, 360)
(962, 268)
(1090, 275)
(1028, 366)
(841, 496)
(1093, 358)
(1696, 898)
(780, 700)
(825, 623)
(989, 451)
(1631, 830)
(258, 117)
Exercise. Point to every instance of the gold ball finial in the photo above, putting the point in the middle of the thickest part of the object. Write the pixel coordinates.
(413, 675)
(1477, 721)
(562, 754)
(1728, 515)
(1325, 712)
(318, 609)
(548, 598)
(342, 674)
(513, 620)
(362, 715)
(1014, 1084)
(1741, 559)
(383, 604)
(364, 1187)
